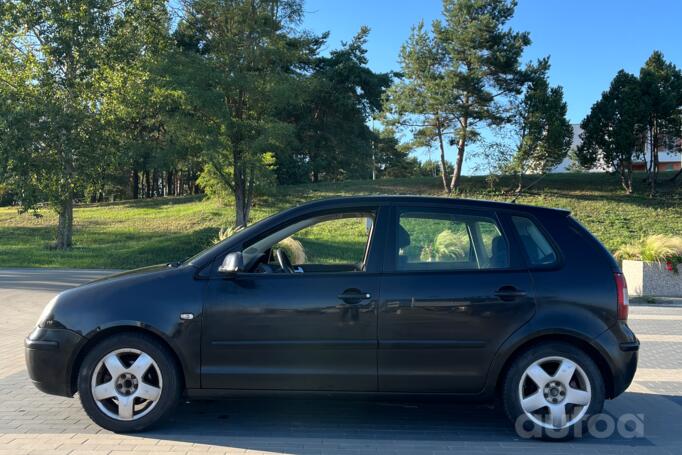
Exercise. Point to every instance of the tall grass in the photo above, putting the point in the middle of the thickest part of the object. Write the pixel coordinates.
(654, 248)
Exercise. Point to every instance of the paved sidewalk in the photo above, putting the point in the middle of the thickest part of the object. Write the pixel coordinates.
(31, 422)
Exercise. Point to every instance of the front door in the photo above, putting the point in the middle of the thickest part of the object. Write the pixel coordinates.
(308, 325)
(453, 291)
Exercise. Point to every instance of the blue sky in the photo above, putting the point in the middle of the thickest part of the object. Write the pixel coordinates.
(587, 41)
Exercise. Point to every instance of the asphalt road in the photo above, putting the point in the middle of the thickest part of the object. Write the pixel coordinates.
(31, 422)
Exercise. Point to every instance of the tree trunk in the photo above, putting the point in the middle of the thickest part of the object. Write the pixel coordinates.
(147, 184)
(155, 183)
(170, 186)
(65, 225)
(626, 178)
(241, 212)
(135, 184)
(653, 144)
(519, 187)
(443, 164)
(457, 174)
(461, 146)
(654, 173)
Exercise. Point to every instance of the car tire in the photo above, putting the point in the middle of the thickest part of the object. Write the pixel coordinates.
(129, 382)
(547, 380)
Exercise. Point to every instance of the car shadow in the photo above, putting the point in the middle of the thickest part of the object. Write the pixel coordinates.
(266, 423)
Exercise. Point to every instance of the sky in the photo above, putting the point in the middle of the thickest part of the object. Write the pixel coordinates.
(587, 41)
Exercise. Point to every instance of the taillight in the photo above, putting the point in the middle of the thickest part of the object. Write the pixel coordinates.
(622, 296)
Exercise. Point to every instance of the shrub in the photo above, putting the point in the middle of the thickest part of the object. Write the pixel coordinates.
(449, 245)
(655, 248)
(227, 232)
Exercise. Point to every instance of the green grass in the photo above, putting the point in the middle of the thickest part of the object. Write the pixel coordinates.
(137, 233)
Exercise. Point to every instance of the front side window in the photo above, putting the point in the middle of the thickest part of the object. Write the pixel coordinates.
(538, 249)
(449, 241)
(327, 243)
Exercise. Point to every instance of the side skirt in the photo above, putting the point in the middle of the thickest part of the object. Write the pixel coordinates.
(304, 394)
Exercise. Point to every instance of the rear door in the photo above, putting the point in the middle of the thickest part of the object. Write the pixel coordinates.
(453, 290)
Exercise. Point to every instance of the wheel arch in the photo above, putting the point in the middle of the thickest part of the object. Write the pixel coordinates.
(572, 339)
(96, 337)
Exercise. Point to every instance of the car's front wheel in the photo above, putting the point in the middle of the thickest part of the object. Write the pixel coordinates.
(551, 390)
(128, 382)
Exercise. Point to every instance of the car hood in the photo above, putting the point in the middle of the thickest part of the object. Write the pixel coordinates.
(129, 273)
(118, 297)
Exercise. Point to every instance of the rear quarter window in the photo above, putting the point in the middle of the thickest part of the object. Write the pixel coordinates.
(539, 250)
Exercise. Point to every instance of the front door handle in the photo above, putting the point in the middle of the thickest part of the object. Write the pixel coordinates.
(352, 296)
(509, 293)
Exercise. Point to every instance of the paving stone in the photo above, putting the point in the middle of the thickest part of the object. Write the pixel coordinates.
(35, 423)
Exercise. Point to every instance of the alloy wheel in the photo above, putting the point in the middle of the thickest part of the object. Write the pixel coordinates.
(555, 392)
(126, 384)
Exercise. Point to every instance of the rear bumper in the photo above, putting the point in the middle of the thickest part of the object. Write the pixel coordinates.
(622, 350)
(49, 357)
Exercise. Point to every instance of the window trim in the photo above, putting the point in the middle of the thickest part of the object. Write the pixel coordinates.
(373, 253)
(516, 262)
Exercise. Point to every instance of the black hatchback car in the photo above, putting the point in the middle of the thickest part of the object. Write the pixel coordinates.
(388, 295)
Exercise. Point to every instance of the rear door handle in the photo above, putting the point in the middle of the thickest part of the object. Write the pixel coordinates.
(509, 293)
(352, 296)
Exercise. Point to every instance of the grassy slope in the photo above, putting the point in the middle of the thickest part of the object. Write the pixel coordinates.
(132, 234)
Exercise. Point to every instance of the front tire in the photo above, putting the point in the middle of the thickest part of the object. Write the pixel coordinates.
(128, 382)
(551, 390)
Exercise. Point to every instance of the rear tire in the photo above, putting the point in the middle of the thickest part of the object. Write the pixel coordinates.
(128, 382)
(551, 390)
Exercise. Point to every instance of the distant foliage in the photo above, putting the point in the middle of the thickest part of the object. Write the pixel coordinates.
(542, 132)
(632, 121)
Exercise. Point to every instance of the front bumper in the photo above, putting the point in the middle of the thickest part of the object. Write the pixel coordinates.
(622, 350)
(49, 359)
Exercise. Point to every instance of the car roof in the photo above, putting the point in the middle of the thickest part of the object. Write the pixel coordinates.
(350, 201)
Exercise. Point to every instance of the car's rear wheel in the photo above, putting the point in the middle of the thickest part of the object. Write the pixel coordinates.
(128, 382)
(551, 390)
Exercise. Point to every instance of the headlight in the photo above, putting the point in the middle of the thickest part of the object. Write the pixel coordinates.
(47, 312)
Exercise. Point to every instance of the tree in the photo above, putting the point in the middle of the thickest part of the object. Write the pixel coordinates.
(54, 56)
(421, 101)
(330, 110)
(543, 132)
(483, 65)
(612, 131)
(236, 59)
(661, 97)
(392, 159)
(136, 107)
(459, 78)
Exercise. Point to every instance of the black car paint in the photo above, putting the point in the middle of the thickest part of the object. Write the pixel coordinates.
(293, 333)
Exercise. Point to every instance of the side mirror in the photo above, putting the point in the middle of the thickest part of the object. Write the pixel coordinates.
(233, 263)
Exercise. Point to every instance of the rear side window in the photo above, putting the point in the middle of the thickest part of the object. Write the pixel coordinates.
(537, 247)
(449, 241)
